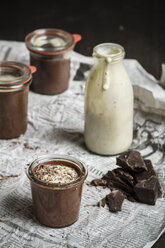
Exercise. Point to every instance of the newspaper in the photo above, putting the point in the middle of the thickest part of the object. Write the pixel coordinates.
(55, 125)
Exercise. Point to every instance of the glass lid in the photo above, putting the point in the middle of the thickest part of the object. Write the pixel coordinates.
(14, 74)
(49, 41)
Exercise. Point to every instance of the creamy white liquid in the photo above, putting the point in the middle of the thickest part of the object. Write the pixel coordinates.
(108, 108)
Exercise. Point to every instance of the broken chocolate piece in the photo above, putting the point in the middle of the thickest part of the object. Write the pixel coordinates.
(101, 203)
(99, 182)
(125, 175)
(137, 181)
(115, 200)
(144, 175)
(131, 161)
(132, 198)
(148, 174)
(115, 181)
(147, 190)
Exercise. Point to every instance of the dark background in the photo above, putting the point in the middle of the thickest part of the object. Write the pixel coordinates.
(137, 25)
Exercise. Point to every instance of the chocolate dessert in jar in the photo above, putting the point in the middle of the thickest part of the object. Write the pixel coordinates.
(15, 79)
(56, 185)
(50, 51)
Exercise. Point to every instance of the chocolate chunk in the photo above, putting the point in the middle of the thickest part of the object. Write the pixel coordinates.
(115, 200)
(101, 203)
(131, 161)
(147, 190)
(136, 181)
(115, 181)
(99, 182)
(126, 176)
(132, 198)
(144, 175)
(148, 174)
(114, 185)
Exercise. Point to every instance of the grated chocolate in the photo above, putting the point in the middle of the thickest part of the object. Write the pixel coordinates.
(54, 173)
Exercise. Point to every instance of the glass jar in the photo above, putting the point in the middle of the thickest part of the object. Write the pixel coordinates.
(108, 102)
(50, 51)
(15, 79)
(57, 204)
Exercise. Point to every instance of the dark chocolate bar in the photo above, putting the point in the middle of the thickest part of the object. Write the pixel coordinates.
(131, 161)
(99, 182)
(136, 181)
(132, 197)
(115, 200)
(147, 190)
(125, 175)
(148, 174)
(144, 175)
(113, 180)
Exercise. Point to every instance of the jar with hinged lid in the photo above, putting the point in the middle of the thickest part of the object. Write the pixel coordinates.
(15, 79)
(50, 51)
(56, 186)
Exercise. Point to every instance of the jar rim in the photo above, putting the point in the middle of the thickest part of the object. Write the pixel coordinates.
(14, 75)
(113, 51)
(45, 32)
(57, 157)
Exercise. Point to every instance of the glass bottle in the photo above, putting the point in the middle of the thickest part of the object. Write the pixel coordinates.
(108, 102)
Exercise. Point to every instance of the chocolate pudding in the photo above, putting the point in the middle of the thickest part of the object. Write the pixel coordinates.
(50, 51)
(13, 113)
(15, 79)
(56, 184)
(52, 76)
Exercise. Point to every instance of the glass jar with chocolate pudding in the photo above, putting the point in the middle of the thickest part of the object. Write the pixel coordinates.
(15, 79)
(50, 51)
(56, 184)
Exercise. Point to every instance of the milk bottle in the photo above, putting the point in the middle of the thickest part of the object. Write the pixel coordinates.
(108, 102)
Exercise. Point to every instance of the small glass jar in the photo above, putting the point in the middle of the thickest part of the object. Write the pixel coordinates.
(50, 51)
(108, 102)
(55, 204)
(15, 79)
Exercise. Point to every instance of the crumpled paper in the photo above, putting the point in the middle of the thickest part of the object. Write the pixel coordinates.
(56, 125)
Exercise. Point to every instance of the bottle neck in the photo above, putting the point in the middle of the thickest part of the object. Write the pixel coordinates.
(107, 55)
(109, 52)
